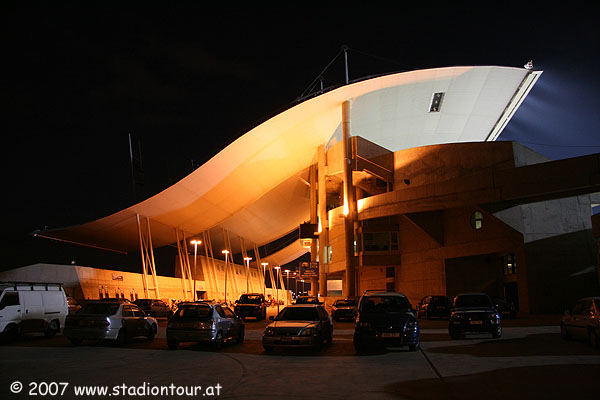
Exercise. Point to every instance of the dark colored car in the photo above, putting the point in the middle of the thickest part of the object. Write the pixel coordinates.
(251, 305)
(109, 320)
(474, 313)
(308, 300)
(344, 309)
(583, 321)
(154, 307)
(204, 322)
(434, 306)
(505, 308)
(299, 325)
(116, 299)
(385, 319)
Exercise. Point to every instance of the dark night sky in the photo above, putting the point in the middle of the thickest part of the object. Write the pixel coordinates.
(187, 80)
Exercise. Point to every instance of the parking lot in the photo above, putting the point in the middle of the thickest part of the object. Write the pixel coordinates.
(529, 361)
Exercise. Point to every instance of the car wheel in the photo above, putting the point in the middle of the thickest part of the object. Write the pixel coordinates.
(359, 344)
(218, 342)
(53, 327)
(172, 344)
(151, 332)
(330, 337)
(593, 338)
(240, 338)
(75, 341)
(11, 332)
(121, 337)
(564, 333)
(454, 333)
(497, 332)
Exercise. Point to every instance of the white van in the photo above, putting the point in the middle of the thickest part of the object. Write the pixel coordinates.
(32, 307)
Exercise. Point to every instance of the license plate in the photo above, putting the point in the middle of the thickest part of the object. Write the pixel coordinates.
(286, 339)
(394, 334)
(476, 322)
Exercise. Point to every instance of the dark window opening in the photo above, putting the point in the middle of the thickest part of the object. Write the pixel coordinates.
(436, 102)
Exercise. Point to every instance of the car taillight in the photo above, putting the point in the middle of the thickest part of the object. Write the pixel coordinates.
(103, 323)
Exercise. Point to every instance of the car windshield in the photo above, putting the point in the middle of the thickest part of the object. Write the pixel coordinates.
(383, 304)
(198, 311)
(307, 300)
(298, 314)
(472, 300)
(345, 303)
(439, 300)
(250, 299)
(99, 309)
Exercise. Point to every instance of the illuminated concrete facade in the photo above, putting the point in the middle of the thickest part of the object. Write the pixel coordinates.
(453, 218)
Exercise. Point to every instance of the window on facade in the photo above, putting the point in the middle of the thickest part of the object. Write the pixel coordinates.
(477, 220)
(436, 102)
(380, 241)
(510, 266)
(376, 241)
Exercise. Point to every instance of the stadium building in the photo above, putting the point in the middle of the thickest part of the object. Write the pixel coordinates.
(395, 182)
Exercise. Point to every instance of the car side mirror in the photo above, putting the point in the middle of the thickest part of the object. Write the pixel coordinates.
(272, 318)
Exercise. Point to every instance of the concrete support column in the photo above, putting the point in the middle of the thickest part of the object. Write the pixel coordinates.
(349, 288)
(314, 252)
(323, 222)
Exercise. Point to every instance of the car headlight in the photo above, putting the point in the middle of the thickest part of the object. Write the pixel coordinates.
(494, 316)
(412, 325)
(269, 332)
(308, 332)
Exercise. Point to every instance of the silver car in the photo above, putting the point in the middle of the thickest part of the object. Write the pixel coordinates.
(109, 320)
(583, 321)
(204, 322)
(299, 325)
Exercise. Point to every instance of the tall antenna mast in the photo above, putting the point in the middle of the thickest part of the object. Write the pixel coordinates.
(132, 173)
(345, 49)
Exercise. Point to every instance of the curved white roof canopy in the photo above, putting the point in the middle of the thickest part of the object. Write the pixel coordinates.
(256, 187)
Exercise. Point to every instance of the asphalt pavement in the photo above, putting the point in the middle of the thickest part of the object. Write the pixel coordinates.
(529, 361)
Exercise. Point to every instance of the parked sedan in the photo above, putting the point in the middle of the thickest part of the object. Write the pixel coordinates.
(385, 319)
(434, 306)
(300, 325)
(344, 309)
(308, 300)
(583, 321)
(474, 313)
(154, 307)
(109, 320)
(251, 305)
(204, 322)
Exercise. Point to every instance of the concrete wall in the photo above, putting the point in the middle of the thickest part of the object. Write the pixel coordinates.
(87, 283)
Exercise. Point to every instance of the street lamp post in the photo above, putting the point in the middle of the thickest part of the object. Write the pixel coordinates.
(226, 252)
(247, 259)
(277, 290)
(264, 264)
(296, 284)
(287, 279)
(195, 243)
